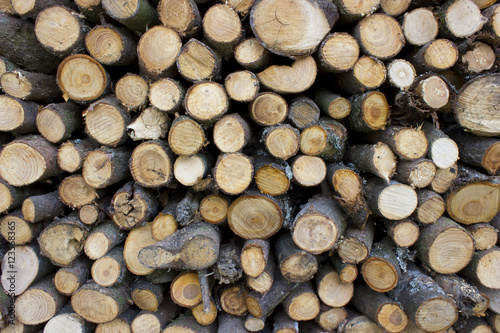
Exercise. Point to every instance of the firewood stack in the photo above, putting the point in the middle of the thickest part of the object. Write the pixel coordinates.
(239, 165)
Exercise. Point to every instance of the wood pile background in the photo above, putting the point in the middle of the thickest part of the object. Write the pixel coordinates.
(233, 166)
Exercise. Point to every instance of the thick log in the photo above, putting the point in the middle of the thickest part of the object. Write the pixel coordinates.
(186, 136)
(452, 25)
(254, 256)
(62, 241)
(185, 289)
(233, 172)
(355, 245)
(214, 208)
(407, 143)
(330, 318)
(315, 19)
(206, 102)
(110, 269)
(303, 112)
(222, 29)
(137, 15)
(22, 266)
(327, 140)
(444, 179)
(368, 73)
(302, 303)
(242, 86)
(294, 263)
(272, 176)
(423, 301)
(182, 16)
(17, 231)
(76, 193)
(42, 207)
(58, 121)
(369, 112)
(268, 109)
(202, 317)
(90, 299)
(231, 133)
(68, 321)
(401, 74)
(27, 160)
(193, 170)
(356, 322)
(420, 26)
(308, 170)
(12, 197)
(39, 303)
(195, 246)
(146, 295)
(252, 55)
(475, 58)
(482, 268)
(338, 52)
(151, 164)
(281, 141)
(193, 70)
(381, 199)
(352, 11)
(485, 235)
(153, 321)
(30, 86)
(106, 166)
(137, 239)
(331, 290)
(230, 323)
(166, 95)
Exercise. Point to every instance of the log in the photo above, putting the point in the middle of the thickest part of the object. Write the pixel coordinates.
(327, 140)
(82, 79)
(185, 290)
(407, 143)
(281, 141)
(469, 300)
(136, 16)
(379, 35)
(481, 269)
(132, 91)
(213, 208)
(369, 112)
(222, 29)
(106, 166)
(355, 244)
(153, 321)
(182, 16)
(330, 318)
(20, 45)
(431, 207)
(303, 112)
(28, 159)
(202, 317)
(315, 19)
(121, 324)
(377, 159)
(42, 207)
(444, 179)
(308, 170)
(23, 266)
(338, 52)
(106, 122)
(186, 136)
(474, 102)
(272, 176)
(250, 54)
(137, 239)
(261, 306)
(442, 150)
(381, 309)
(17, 231)
(436, 56)
(75, 193)
(294, 263)
(318, 225)
(416, 173)
(195, 246)
(192, 170)
(111, 46)
(381, 270)
(68, 321)
(62, 241)
(231, 133)
(30, 86)
(193, 70)
(477, 151)
(232, 300)
(268, 109)
(485, 235)
(151, 164)
(233, 173)
(71, 154)
(241, 7)
(61, 30)
(12, 197)
(333, 105)
(452, 25)
(187, 323)
(420, 26)
(368, 73)
(381, 199)
(474, 198)
(206, 102)
(39, 303)
(68, 280)
(347, 272)
(351, 11)
(166, 95)
(110, 269)
(256, 216)
(401, 74)
(89, 300)
(474, 324)
(229, 323)
(356, 322)
(148, 296)
(262, 283)
(476, 58)
(132, 205)
(283, 323)
(302, 303)
(254, 256)
(58, 121)
(331, 290)
(292, 79)
(424, 302)
(242, 86)
(491, 13)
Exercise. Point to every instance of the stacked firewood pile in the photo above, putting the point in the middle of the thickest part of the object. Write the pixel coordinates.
(234, 166)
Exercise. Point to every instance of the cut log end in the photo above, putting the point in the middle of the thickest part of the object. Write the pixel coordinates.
(308, 170)
(233, 173)
(214, 208)
(132, 91)
(436, 314)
